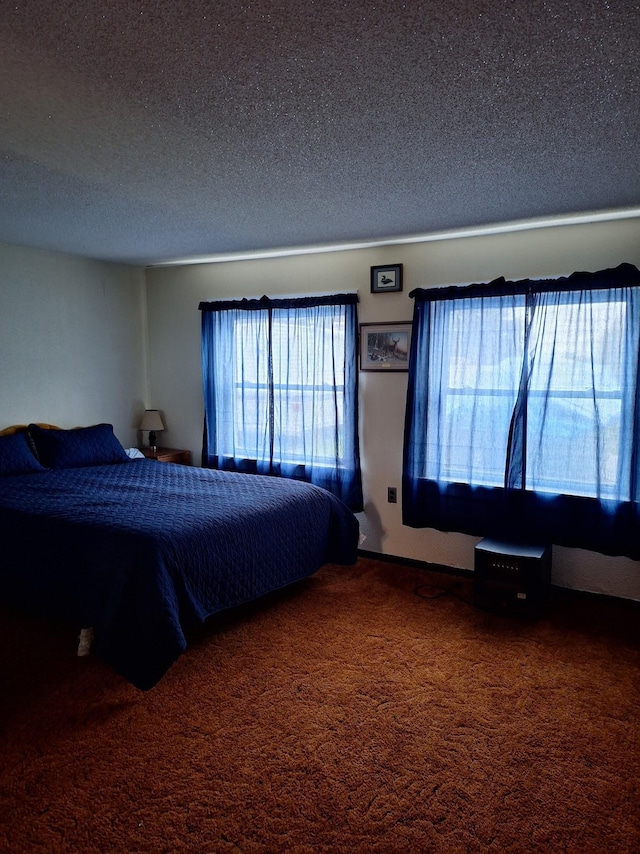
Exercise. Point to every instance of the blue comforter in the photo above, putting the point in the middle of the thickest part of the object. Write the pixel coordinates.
(143, 551)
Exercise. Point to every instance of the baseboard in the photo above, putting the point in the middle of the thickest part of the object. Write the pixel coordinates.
(570, 592)
(419, 564)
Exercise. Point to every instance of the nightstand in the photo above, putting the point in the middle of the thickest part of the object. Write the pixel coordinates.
(168, 455)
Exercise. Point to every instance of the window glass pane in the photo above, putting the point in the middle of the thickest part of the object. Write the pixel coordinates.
(308, 358)
(573, 409)
(280, 390)
(476, 354)
(576, 391)
(250, 364)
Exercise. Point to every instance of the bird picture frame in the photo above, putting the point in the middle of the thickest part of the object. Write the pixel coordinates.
(386, 279)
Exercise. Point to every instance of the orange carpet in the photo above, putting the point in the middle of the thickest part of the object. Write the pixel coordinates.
(368, 709)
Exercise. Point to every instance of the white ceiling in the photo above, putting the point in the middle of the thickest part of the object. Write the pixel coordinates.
(142, 132)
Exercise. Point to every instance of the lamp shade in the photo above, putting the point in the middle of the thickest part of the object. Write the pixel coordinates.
(151, 420)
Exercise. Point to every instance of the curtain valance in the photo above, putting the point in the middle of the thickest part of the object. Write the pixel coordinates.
(624, 275)
(265, 302)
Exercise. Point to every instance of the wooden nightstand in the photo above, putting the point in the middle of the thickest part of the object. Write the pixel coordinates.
(168, 455)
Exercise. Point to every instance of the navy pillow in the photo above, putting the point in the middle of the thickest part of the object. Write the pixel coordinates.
(86, 446)
(16, 456)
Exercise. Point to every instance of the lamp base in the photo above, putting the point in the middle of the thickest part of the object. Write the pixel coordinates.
(152, 440)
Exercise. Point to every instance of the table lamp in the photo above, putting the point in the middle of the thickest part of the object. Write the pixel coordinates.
(152, 422)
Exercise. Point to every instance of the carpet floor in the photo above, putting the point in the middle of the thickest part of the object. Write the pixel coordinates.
(368, 709)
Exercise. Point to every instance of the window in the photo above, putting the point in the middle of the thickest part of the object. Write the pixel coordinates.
(523, 410)
(280, 386)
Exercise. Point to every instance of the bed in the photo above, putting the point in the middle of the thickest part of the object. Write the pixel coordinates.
(143, 552)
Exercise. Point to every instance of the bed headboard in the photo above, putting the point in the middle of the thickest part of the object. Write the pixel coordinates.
(18, 428)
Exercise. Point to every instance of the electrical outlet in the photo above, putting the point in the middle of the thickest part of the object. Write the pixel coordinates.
(392, 495)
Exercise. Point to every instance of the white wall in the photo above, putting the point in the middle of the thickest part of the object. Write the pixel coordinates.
(173, 295)
(72, 341)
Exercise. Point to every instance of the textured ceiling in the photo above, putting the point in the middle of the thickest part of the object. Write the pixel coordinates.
(144, 131)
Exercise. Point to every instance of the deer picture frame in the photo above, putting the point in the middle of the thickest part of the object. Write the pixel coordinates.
(385, 346)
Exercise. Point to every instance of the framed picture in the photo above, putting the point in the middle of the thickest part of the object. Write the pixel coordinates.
(385, 346)
(386, 279)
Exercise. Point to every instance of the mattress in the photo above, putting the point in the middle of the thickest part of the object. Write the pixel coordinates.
(143, 551)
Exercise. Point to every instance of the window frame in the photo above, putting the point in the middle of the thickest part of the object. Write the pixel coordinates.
(251, 441)
(523, 509)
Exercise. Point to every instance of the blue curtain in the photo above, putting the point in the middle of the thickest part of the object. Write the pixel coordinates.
(280, 390)
(523, 411)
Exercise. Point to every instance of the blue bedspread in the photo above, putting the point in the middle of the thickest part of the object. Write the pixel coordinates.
(143, 551)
